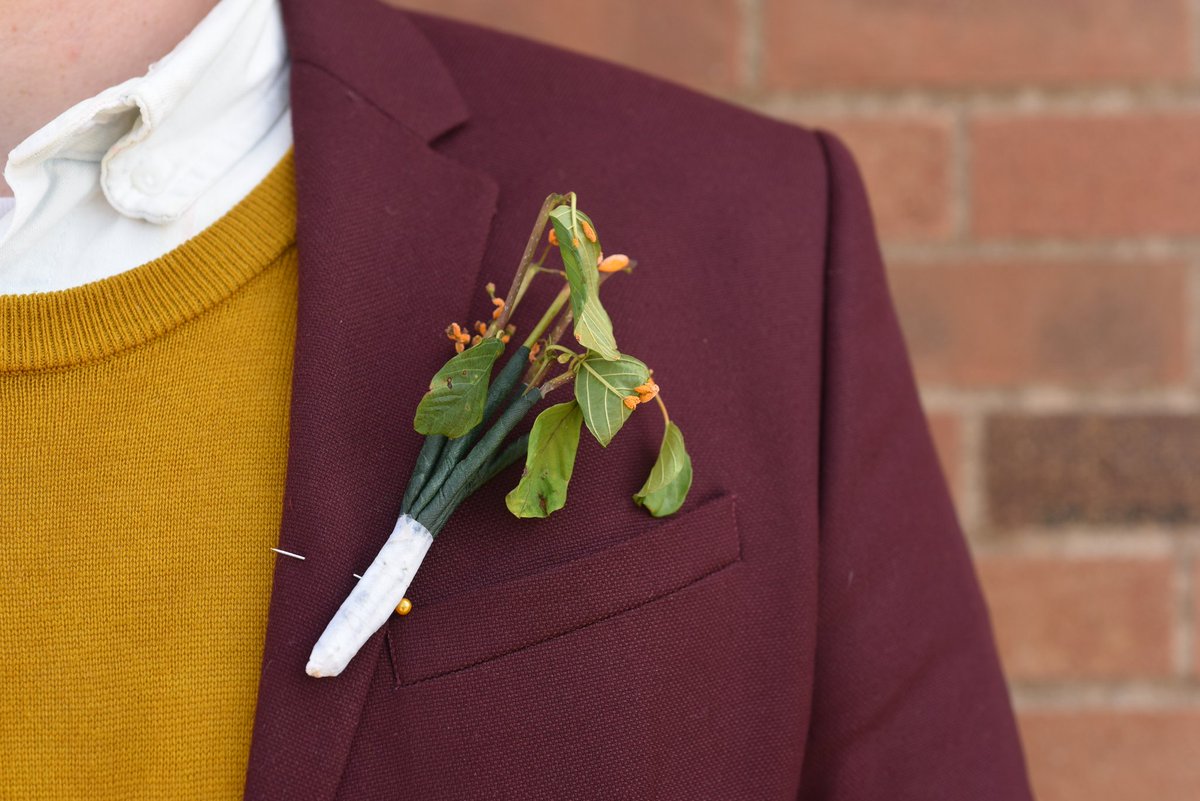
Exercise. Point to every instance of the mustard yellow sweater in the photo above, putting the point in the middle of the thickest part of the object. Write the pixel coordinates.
(143, 442)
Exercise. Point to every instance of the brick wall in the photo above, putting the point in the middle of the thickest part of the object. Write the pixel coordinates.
(1034, 166)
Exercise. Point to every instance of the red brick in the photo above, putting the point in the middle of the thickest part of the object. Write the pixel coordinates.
(869, 43)
(1110, 755)
(1086, 325)
(1124, 175)
(1058, 618)
(947, 438)
(1101, 469)
(695, 42)
(906, 163)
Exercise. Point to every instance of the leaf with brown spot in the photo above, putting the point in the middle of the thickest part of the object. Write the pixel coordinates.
(454, 403)
(549, 462)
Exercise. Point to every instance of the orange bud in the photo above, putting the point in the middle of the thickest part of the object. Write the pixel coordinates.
(475, 340)
(630, 401)
(553, 237)
(499, 302)
(614, 263)
(589, 231)
(458, 347)
(481, 327)
(533, 352)
(504, 338)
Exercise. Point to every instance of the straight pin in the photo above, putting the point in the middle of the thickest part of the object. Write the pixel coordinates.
(288, 553)
(405, 605)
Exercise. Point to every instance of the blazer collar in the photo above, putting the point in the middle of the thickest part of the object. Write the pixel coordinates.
(390, 234)
(379, 52)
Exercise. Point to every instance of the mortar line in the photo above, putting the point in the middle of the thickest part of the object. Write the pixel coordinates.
(1077, 694)
(1110, 251)
(1101, 100)
(1078, 542)
(1045, 399)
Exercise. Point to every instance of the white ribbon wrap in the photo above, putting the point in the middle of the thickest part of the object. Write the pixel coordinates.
(373, 599)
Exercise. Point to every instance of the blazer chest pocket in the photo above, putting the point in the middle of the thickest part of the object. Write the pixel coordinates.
(477, 627)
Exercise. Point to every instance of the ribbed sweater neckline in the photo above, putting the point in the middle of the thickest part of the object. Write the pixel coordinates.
(86, 323)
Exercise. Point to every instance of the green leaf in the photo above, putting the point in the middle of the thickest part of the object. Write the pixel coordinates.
(454, 403)
(593, 328)
(549, 462)
(601, 387)
(584, 282)
(671, 477)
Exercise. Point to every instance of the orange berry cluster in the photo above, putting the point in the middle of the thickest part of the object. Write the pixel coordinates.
(456, 334)
(645, 393)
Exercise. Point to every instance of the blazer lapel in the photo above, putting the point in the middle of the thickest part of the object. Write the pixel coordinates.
(391, 235)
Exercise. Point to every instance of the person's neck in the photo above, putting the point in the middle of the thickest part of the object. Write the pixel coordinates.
(55, 53)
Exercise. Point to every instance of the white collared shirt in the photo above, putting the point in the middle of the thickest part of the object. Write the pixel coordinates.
(133, 172)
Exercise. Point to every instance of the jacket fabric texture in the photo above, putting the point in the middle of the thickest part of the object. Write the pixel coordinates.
(808, 626)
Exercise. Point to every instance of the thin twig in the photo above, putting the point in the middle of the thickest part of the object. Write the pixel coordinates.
(663, 406)
(556, 382)
(535, 236)
(558, 302)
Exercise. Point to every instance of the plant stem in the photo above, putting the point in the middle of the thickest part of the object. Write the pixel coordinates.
(530, 273)
(556, 382)
(555, 306)
(426, 460)
(560, 326)
(535, 236)
(434, 514)
(663, 406)
(498, 392)
(512, 452)
(542, 258)
(535, 372)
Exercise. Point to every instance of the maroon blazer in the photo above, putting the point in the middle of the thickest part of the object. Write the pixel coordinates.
(809, 626)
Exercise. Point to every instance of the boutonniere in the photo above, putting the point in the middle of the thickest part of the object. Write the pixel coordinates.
(467, 417)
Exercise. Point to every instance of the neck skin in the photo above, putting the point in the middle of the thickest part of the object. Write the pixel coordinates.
(56, 53)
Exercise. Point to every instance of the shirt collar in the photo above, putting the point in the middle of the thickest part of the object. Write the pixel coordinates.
(161, 139)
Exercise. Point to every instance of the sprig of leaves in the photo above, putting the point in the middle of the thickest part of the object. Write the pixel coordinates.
(608, 386)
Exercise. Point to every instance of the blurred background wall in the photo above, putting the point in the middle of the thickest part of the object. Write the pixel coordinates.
(1034, 167)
